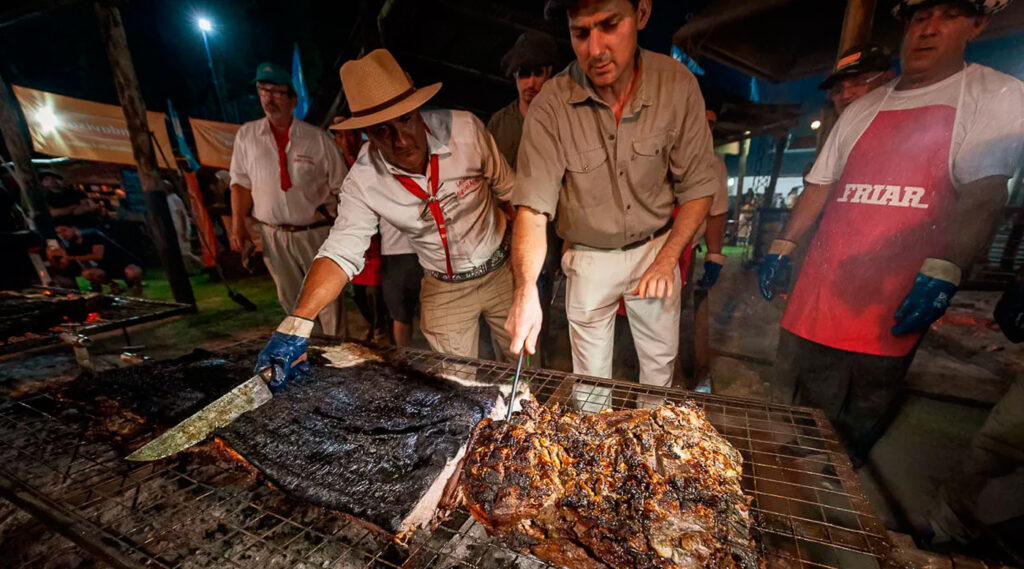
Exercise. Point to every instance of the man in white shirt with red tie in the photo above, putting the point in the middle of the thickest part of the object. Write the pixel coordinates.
(439, 178)
(911, 181)
(286, 174)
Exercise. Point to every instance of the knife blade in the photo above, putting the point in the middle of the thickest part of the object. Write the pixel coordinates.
(228, 407)
(515, 384)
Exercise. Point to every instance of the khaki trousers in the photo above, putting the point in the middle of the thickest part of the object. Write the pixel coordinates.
(450, 312)
(288, 256)
(596, 279)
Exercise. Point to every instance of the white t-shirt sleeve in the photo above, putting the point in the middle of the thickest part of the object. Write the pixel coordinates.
(826, 169)
(239, 170)
(994, 133)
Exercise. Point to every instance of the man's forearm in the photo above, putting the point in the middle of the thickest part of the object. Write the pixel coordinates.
(806, 211)
(688, 219)
(241, 204)
(978, 209)
(714, 236)
(529, 245)
(323, 284)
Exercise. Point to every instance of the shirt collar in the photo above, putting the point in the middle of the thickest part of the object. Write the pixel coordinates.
(266, 130)
(581, 88)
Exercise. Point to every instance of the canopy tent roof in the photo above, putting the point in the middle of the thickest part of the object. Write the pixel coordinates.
(783, 40)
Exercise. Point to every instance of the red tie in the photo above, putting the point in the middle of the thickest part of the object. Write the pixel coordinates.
(435, 207)
(281, 140)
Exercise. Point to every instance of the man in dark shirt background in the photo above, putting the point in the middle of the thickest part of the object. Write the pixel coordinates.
(65, 201)
(91, 254)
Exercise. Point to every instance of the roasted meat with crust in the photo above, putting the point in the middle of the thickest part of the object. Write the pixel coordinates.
(631, 489)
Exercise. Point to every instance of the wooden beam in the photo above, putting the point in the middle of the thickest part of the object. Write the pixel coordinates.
(128, 93)
(14, 131)
(857, 24)
(721, 13)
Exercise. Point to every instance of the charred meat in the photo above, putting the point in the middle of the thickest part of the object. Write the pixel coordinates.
(629, 489)
(23, 314)
(372, 440)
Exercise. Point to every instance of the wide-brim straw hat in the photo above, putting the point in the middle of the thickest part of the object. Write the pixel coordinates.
(378, 90)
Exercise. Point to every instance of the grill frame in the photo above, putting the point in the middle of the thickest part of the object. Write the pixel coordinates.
(126, 311)
(809, 511)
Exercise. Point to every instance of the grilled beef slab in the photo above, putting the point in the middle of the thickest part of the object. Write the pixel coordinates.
(629, 489)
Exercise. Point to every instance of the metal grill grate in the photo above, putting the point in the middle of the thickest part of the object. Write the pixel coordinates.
(188, 512)
(124, 311)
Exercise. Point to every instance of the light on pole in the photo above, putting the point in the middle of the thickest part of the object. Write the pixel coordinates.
(206, 26)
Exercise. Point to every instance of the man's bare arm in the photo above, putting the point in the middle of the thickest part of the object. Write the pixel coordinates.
(323, 284)
(714, 236)
(806, 211)
(978, 209)
(529, 246)
(241, 206)
(658, 280)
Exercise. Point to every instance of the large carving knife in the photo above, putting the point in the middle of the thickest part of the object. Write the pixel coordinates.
(242, 399)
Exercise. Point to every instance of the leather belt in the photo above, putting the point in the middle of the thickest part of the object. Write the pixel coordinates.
(298, 228)
(634, 244)
(496, 260)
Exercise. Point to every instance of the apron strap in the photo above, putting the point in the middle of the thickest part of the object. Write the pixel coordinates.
(435, 208)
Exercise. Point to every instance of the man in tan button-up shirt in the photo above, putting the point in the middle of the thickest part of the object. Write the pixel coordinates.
(612, 145)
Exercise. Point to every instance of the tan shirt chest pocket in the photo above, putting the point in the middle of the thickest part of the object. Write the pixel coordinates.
(587, 180)
(649, 165)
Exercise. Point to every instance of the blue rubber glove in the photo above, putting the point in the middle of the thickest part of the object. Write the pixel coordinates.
(776, 269)
(933, 290)
(1009, 312)
(712, 269)
(286, 352)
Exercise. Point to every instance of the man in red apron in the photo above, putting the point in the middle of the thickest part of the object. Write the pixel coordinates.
(911, 181)
(436, 176)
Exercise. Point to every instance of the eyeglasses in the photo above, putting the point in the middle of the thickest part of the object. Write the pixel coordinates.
(854, 82)
(535, 72)
(273, 92)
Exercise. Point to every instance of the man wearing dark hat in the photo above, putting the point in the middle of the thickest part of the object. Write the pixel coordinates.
(286, 174)
(910, 182)
(612, 145)
(530, 62)
(859, 71)
(438, 177)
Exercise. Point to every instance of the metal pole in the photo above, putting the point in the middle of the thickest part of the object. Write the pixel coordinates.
(213, 72)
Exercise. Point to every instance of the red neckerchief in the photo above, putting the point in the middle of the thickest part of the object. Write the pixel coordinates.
(281, 140)
(435, 207)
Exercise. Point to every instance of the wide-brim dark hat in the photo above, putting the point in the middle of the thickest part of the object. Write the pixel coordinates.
(532, 49)
(859, 59)
(44, 173)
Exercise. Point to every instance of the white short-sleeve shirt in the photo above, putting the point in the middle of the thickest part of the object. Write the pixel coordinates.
(988, 138)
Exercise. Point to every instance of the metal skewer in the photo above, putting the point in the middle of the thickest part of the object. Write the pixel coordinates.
(515, 384)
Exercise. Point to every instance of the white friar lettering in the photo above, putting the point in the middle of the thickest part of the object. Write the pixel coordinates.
(882, 194)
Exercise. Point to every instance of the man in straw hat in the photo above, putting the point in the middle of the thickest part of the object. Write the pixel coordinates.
(612, 145)
(439, 178)
(286, 174)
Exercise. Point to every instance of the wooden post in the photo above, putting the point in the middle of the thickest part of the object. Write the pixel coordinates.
(128, 93)
(740, 175)
(780, 153)
(14, 131)
(857, 24)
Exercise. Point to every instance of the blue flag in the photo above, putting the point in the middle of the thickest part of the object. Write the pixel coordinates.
(299, 84)
(179, 136)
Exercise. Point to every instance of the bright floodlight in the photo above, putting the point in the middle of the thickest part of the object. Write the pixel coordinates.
(47, 120)
(205, 25)
(732, 181)
(815, 125)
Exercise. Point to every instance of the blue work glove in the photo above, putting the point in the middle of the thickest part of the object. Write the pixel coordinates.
(933, 290)
(776, 269)
(712, 269)
(1010, 312)
(286, 352)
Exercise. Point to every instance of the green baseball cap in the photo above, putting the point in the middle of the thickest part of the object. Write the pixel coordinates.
(267, 72)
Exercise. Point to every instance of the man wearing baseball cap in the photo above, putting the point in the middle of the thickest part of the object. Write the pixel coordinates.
(438, 177)
(530, 62)
(286, 174)
(911, 181)
(859, 71)
(612, 145)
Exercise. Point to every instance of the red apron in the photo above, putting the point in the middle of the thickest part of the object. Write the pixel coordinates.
(888, 212)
